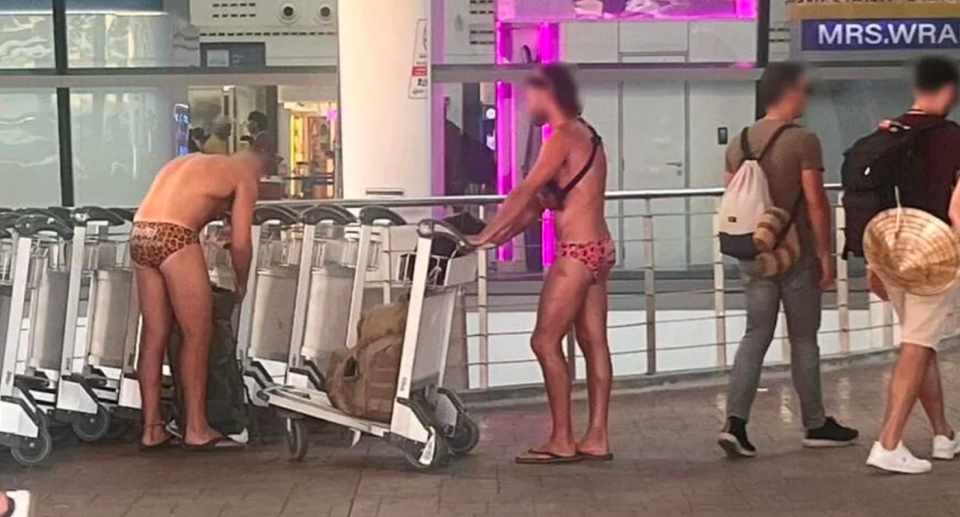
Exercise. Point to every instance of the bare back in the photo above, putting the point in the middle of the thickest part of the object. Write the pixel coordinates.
(582, 217)
(192, 190)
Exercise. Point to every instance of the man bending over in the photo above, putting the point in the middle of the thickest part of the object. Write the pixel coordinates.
(569, 177)
(173, 282)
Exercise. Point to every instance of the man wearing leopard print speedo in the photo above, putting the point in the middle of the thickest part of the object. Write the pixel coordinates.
(173, 282)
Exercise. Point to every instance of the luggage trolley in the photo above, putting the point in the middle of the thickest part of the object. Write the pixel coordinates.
(320, 317)
(266, 315)
(429, 423)
(34, 289)
(99, 267)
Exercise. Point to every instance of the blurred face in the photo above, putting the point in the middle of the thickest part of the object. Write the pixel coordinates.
(798, 97)
(539, 99)
(253, 127)
(255, 163)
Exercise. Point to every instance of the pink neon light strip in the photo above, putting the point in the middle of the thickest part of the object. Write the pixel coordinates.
(548, 41)
(506, 126)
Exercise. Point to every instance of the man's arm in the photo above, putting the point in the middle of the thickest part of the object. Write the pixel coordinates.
(818, 206)
(241, 223)
(955, 208)
(515, 213)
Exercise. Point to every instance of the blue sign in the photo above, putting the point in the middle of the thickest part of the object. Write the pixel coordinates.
(82, 5)
(847, 35)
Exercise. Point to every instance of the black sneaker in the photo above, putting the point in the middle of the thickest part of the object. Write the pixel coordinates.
(830, 434)
(734, 440)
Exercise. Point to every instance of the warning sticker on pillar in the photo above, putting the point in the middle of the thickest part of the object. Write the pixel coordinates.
(419, 78)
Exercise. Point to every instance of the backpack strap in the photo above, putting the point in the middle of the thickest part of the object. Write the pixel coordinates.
(745, 142)
(745, 145)
(773, 139)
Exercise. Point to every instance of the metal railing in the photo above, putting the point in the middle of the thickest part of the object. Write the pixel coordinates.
(659, 323)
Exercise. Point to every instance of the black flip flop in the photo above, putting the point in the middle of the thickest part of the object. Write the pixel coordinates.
(548, 458)
(170, 443)
(218, 444)
(595, 457)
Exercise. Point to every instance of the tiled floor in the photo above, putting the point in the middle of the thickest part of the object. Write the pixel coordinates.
(667, 464)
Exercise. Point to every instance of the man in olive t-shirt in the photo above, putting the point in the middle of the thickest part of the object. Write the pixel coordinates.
(794, 170)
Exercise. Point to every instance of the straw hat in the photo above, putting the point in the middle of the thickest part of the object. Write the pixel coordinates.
(912, 250)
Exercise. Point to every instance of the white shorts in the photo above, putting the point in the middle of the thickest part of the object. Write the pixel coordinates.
(923, 319)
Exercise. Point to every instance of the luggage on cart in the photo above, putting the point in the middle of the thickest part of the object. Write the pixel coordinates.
(226, 393)
(362, 381)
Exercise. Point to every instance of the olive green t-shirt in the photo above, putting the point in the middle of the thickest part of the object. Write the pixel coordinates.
(795, 151)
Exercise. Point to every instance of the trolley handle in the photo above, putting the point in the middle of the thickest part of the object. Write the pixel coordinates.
(94, 214)
(372, 214)
(63, 213)
(7, 219)
(263, 214)
(56, 213)
(428, 229)
(127, 214)
(331, 213)
(33, 224)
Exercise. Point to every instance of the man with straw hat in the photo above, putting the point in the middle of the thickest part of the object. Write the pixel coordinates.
(913, 255)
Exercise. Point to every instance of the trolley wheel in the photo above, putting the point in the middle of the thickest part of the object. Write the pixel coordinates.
(466, 435)
(441, 453)
(297, 443)
(34, 452)
(92, 428)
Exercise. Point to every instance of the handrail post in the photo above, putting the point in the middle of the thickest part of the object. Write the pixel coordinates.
(784, 338)
(719, 302)
(649, 288)
(843, 282)
(483, 316)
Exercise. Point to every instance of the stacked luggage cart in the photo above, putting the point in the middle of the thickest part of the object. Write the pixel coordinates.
(70, 322)
(33, 298)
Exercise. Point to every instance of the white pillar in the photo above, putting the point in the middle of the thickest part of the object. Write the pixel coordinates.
(385, 114)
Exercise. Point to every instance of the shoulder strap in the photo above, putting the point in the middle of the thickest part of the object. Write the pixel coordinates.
(745, 145)
(597, 142)
(745, 142)
(773, 139)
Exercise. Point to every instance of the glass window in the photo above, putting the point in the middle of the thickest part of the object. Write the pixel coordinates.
(26, 34)
(174, 33)
(29, 152)
(131, 33)
(123, 136)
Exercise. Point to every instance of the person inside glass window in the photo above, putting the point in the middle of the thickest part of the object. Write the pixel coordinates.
(219, 137)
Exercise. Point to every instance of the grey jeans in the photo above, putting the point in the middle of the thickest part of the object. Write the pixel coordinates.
(799, 290)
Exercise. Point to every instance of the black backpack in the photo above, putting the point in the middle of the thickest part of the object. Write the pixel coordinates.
(873, 169)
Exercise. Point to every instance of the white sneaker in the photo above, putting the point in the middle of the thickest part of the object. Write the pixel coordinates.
(21, 503)
(945, 448)
(899, 460)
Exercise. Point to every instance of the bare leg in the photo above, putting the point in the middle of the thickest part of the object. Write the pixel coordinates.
(904, 388)
(189, 286)
(931, 397)
(560, 301)
(157, 318)
(591, 327)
